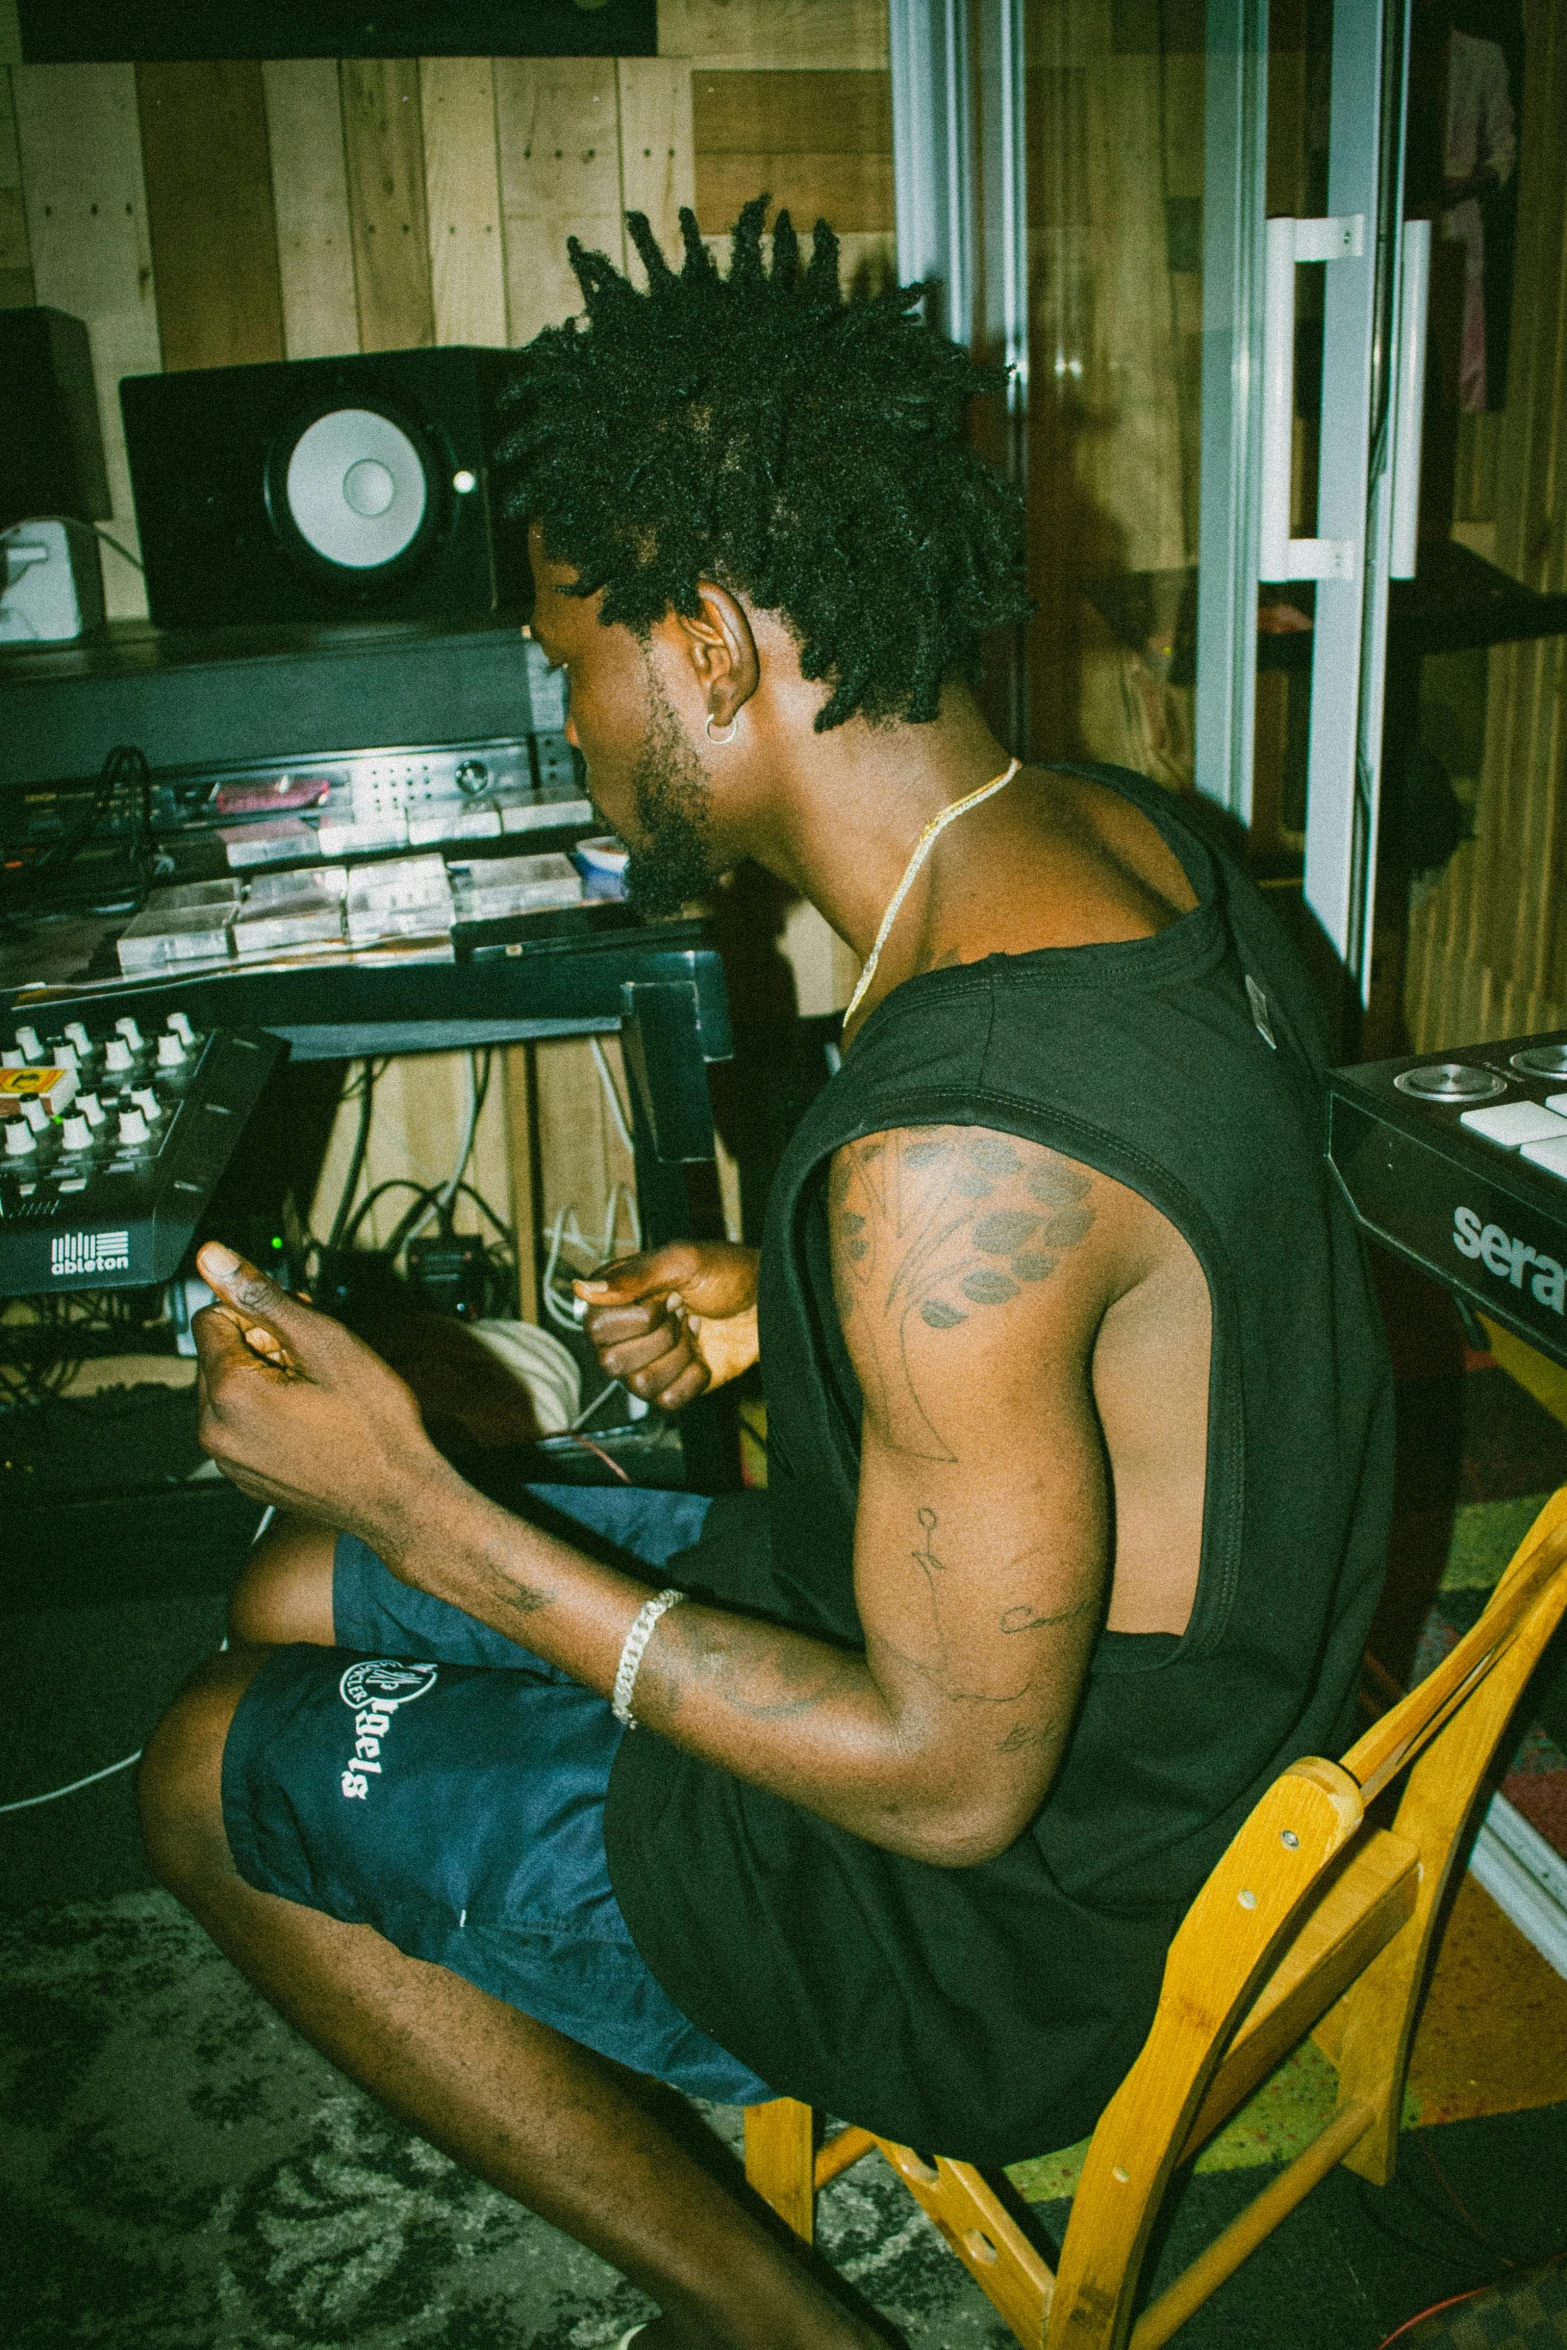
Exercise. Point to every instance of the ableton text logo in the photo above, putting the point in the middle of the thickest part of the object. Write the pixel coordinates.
(71, 1253)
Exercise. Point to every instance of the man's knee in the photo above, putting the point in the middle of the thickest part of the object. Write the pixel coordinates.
(179, 1787)
(284, 1591)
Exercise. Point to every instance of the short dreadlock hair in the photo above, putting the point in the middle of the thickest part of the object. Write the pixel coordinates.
(804, 451)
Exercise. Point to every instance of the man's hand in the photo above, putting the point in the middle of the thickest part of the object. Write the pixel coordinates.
(675, 1321)
(297, 1411)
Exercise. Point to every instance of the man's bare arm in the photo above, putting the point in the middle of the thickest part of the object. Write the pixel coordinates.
(979, 1550)
(971, 1271)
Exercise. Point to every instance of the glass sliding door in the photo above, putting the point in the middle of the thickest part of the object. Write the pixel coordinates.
(1114, 144)
(1178, 222)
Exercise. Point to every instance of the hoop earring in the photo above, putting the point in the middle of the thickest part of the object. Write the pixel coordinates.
(734, 728)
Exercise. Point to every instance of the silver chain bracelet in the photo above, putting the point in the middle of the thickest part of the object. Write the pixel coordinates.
(632, 1654)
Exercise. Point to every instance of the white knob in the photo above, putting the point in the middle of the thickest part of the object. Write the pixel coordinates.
(180, 1023)
(18, 1138)
(36, 1115)
(171, 1052)
(133, 1128)
(78, 1036)
(15, 1058)
(91, 1108)
(131, 1033)
(147, 1101)
(116, 1055)
(76, 1134)
(64, 1056)
(27, 1038)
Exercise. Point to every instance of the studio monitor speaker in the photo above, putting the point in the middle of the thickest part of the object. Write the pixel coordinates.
(51, 450)
(324, 489)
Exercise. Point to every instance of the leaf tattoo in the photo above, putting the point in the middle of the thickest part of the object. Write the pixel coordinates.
(974, 1218)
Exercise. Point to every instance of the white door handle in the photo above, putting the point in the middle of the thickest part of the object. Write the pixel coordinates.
(1289, 241)
(1409, 389)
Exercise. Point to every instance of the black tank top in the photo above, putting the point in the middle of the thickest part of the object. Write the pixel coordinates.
(990, 2012)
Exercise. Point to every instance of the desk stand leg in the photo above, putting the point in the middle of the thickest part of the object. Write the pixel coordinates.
(677, 1182)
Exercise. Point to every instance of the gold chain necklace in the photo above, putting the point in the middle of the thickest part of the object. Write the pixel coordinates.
(922, 848)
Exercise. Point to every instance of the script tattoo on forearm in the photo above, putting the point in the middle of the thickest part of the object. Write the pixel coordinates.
(754, 1669)
(497, 1559)
(524, 1600)
(928, 1228)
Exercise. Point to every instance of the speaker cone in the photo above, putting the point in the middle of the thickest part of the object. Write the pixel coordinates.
(356, 495)
(356, 488)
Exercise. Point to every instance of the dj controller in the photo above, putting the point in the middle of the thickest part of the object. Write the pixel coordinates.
(112, 1142)
(1458, 1163)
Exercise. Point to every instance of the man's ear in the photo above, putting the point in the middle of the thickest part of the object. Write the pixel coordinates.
(717, 642)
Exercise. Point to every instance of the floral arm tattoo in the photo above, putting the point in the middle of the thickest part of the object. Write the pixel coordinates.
(929, 1226)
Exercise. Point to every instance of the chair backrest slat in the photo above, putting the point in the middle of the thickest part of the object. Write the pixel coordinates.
(1392, 1743)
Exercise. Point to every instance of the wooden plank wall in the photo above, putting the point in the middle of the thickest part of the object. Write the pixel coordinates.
(209, 215)
(1488, 946)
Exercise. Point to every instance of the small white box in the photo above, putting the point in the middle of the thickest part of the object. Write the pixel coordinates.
(409, 897)
(51, 582)
(276, 840)
(353, 835)
(153, 941)
(516, 885)
(541, 812)
(1511, 1124)
(453, 823)
(269, 890)
(192, 897)
(284, 910)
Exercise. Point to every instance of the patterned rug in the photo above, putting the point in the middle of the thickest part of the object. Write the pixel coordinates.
(185, 2174)
(1530, 2314)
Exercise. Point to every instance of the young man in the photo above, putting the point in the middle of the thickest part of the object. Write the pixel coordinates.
(1078, 1433)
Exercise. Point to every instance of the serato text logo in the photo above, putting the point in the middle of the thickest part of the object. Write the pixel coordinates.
(1509, 1259)
(89, 1252)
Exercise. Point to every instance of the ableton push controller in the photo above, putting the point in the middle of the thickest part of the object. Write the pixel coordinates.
(1459, 1164)
(111, 1144)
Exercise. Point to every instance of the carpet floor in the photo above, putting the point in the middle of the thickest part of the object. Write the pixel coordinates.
(184, 2173)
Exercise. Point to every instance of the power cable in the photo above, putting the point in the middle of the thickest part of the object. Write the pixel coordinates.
(612, 1094)
(27, 1801)
(134, 561)
(442, 1203)
(54, 1794)
(124, 782)
(356, 1163)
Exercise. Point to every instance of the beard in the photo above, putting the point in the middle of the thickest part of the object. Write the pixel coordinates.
(675, 860)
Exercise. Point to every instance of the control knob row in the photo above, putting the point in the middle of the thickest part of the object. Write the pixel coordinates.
(173, 1045)
(78, 1129)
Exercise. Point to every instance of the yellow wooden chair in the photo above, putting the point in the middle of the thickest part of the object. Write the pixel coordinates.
(1314, 1922)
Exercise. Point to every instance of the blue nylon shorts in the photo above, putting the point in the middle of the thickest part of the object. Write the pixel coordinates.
(431, 1779)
